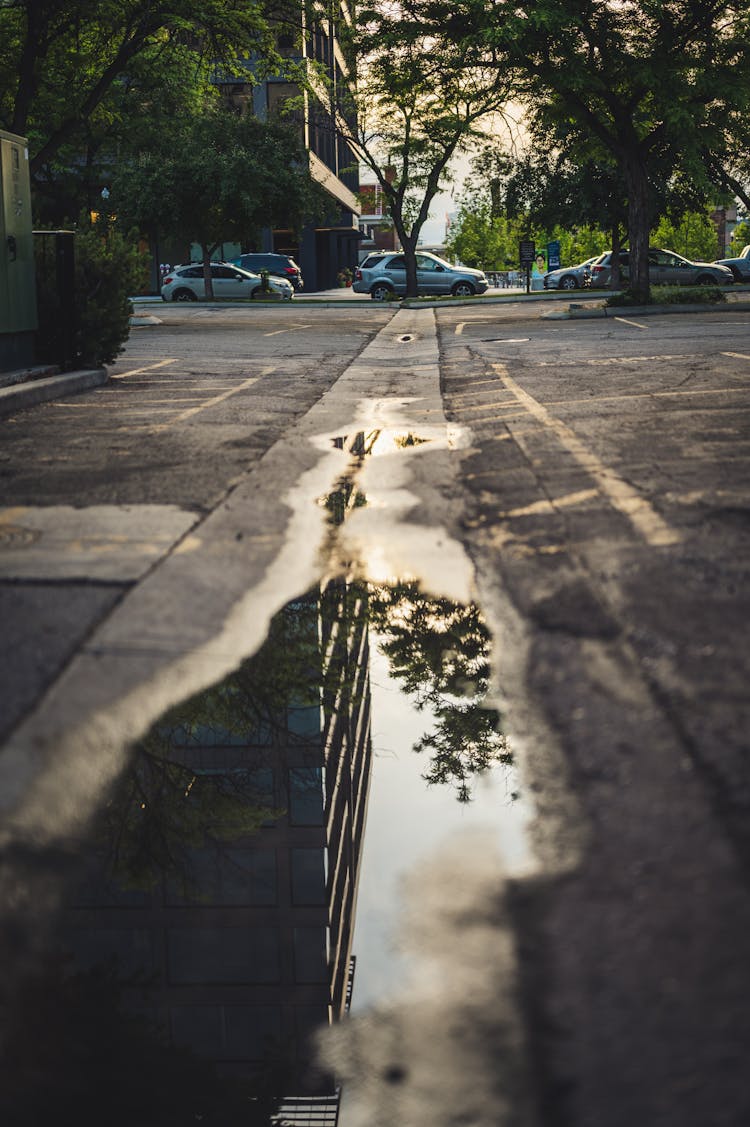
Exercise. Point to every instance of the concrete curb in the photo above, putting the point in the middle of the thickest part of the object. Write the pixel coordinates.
(33, 392)
(576, 312)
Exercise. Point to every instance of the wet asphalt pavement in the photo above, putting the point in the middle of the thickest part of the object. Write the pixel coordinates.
(587, 482)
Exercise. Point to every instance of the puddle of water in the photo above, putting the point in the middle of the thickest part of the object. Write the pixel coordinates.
(242, 887)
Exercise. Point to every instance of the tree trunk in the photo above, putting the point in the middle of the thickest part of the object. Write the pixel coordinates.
(409, 245)
(638, 227)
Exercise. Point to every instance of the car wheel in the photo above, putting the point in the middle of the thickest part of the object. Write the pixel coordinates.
(463, 289)
(380, 291)
(736, 274)
(184, 295)
(568, 283)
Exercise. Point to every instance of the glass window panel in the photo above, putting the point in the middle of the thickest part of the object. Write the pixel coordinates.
(228, 954)
(308, 876)
(199, 1028)
(306, 796)
(220, 875)
(252, 1032)
(310, 954)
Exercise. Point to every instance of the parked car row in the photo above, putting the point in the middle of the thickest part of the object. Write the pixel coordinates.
(187, 283)
(665, 268)
(383, 275)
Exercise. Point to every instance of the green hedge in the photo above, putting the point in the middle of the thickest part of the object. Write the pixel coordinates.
(673, 295)
(108, 269)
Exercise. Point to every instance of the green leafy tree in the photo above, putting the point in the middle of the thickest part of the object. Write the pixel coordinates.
(740, 238)
(220, 177)
(483, 240)
(410, 113)
(693, 236)
(650, 82)
(64, 64)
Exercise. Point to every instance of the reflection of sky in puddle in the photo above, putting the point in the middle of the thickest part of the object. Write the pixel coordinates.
(407, 820)
(231, 858)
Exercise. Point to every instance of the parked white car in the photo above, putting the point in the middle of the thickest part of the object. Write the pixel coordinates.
(186, 283)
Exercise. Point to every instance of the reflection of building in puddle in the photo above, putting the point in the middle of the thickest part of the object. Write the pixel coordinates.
(233, 854)
(213, 931)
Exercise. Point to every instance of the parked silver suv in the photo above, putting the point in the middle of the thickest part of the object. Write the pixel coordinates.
(383, 275)
(665, 268)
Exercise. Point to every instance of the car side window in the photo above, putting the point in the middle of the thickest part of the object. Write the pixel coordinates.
(397, 263)
(192, 272)
(425, 263)
(224, 272)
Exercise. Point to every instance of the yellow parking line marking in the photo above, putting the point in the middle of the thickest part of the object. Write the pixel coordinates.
(475, 384)
(555, 503)
(643, 517)
(489, 407)
(148, 368)
(213, 401)
(682, 393)
(737, 355)
(625, 321)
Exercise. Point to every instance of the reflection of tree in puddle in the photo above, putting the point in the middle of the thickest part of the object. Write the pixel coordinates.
(439, 651)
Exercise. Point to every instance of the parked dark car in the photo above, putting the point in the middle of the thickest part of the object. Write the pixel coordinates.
(740, 266)
(279, 265)
(665, 268)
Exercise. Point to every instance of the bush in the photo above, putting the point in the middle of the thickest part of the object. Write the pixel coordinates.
(107, 270)
(672, 295)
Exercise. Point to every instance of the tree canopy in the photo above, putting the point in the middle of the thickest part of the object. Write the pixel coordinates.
(66, 64)
(412, 110)
(219, 176)
(654, 84)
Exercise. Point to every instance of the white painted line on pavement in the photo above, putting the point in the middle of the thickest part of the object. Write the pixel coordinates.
(644, 519)
(737, 355)
(636, 324)
(212, 402)
(148, 368)
(290, 329)
(479, 321)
